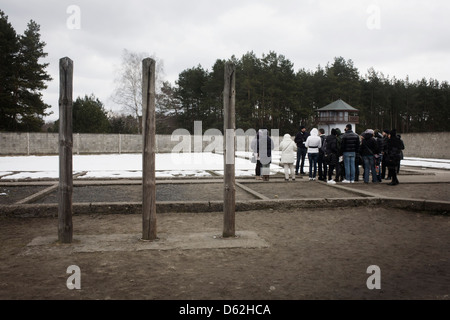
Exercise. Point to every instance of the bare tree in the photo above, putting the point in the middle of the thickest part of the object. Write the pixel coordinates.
(128, 91)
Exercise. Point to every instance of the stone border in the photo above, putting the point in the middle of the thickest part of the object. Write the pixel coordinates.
(51, 210)
(133, 242)
(357, 198)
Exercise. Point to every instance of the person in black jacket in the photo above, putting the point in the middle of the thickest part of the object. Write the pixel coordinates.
(340, 169)
(368, 150)
(262, 145)
(383, 151)
(393, 154)
(300, 139)
(379, 159)
(322, 166)
(332, 156)
(350, 145)
(401, 152)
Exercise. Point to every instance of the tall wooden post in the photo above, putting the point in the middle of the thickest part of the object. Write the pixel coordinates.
(149, 147)
(229, 199)
(65, 188)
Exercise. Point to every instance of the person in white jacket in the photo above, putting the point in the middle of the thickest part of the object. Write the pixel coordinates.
(288, 149)
(313, 143)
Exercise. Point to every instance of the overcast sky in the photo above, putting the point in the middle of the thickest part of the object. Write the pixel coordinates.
(399, 38)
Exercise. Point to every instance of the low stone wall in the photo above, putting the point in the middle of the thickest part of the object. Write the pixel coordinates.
(421, 145)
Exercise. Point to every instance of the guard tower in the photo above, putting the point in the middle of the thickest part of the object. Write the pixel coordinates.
(337, 115)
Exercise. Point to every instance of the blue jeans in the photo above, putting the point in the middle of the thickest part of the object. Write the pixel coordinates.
(313, 157)
(349, 165)
(369, 165)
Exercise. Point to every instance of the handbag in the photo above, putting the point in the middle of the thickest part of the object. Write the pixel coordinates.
(253, 159)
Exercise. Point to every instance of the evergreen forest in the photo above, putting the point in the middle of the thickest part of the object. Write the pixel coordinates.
(269, 93)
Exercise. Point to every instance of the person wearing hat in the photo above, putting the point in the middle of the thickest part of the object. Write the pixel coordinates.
(368, 151)
(300, 140)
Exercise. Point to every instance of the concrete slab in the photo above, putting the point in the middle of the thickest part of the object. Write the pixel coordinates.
(133, 242)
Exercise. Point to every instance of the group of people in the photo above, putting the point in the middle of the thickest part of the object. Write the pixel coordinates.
(343, 153)
(339, 153)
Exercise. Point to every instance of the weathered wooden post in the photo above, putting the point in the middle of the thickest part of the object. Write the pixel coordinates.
(65, 187)
(229, 199)
(149, 147)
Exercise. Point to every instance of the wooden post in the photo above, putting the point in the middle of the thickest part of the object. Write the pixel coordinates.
(149, 147)
(229, 199)
(65, 188)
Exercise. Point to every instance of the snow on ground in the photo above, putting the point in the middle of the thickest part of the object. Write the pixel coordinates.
(123, 166)
(167, 165)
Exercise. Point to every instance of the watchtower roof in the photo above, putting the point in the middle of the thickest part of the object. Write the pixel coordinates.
(338, 105)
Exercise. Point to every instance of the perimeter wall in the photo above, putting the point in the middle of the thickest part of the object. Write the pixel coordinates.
(421, 145)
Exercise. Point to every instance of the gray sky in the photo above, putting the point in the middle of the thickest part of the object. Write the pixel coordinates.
(397, 37)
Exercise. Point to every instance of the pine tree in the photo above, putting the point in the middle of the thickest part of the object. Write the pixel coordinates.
(22, 78)
(89, 115)
(9, 49)
(32, 77)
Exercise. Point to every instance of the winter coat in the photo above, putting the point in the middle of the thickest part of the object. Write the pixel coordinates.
(369, 146)
(300, 139)
(288, 149)
(381, 142)
(331, 149)
(313, 143)
(384, 144)
(394, 149)
(350, 142)
(339, 136)
(331, 145)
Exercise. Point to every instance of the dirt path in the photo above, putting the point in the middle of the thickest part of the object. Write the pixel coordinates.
(311, 254)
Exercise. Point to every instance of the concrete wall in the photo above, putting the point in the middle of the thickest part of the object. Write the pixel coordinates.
(422, 145)
(12, 143)
(427, 145)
